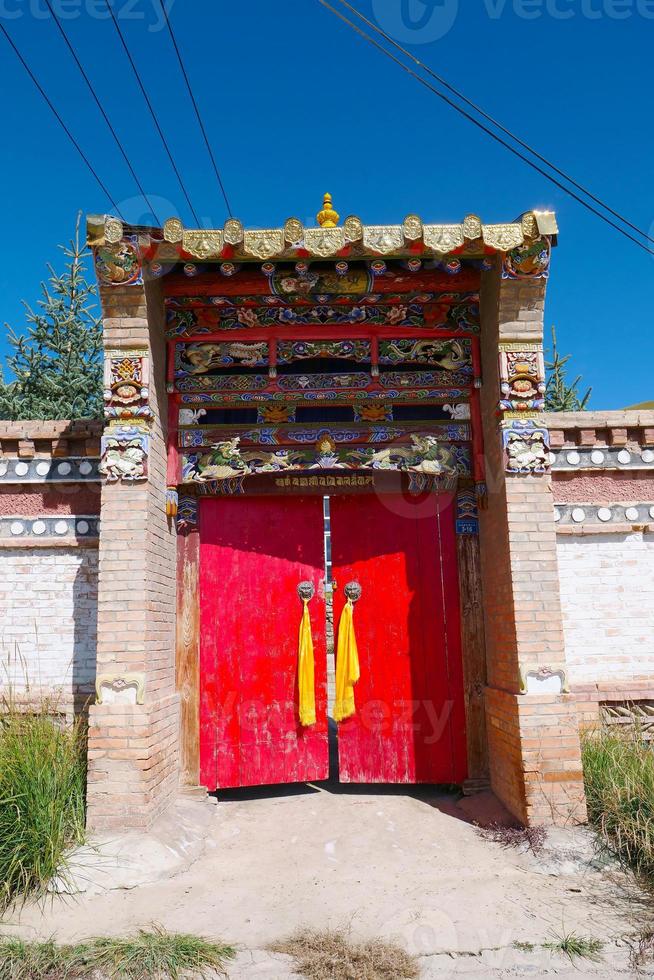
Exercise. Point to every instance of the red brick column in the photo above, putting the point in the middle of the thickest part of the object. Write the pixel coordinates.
(534, 749)
(134, 731)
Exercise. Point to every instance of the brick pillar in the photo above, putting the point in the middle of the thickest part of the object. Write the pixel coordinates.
(134, 730)
(534, 750)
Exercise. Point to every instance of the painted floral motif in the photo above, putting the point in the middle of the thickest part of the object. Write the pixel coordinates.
(424, 379)
(456, 311)
(373, 413)
(276, 413)
(183, 323)
(529, 261)
(119, 264)
(289, 351)
(304, 382)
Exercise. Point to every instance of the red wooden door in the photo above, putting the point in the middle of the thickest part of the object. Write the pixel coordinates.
(253, 554)
(409, 726)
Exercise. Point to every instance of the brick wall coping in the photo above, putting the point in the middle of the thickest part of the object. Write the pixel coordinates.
(618, 428)
(43, 438)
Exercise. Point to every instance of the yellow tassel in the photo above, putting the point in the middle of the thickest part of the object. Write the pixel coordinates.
(347, 665)
(306, 685)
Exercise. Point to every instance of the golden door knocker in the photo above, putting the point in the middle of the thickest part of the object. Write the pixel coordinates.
(306, 591)
(353, 591)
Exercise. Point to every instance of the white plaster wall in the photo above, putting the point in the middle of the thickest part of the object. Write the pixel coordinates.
(48, 612)
(607, 595)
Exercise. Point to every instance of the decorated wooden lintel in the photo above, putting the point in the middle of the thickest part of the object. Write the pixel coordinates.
(424, 455)
(311, 484)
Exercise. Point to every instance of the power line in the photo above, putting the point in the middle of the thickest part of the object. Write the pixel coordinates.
(485, 129)
(507, 132)
(60, 121)
(101, 108)
(195, 106)
(152, 112)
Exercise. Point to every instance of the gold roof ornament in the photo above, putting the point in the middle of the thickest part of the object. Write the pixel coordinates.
(328, 217)
(471, 238)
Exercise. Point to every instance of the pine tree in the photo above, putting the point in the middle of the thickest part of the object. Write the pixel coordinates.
(55, 369)
(560, 395)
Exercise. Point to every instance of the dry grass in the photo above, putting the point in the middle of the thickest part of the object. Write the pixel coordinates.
(529, 838)
(331, 955)
(642, 954)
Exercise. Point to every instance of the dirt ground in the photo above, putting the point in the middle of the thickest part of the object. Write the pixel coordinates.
(383, 862)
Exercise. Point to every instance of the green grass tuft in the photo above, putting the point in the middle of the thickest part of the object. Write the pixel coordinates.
(576, 947)
(33, 961)
(619, 778)
(42, 800)
(150, 955)
(156, 953)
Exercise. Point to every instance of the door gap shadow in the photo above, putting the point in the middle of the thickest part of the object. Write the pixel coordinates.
(445, 799)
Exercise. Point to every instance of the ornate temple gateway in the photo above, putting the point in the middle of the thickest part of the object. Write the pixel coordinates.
(325, 494)
(304, 425)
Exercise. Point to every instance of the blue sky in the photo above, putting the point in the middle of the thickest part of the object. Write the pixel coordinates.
(296, 104)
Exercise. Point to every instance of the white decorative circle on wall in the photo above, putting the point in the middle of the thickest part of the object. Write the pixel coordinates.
(624, 456)
(647, 456)
(85, 467)
(21, 469)
(552, 457)
(651, 512)
(64, 468)
(61, 527)
(3, 468)
(604, 514)
(557, 514)
(17, 527)
(43, 468)
(597, 457)
(578, 515)
(631, 513)
(38, 527)
(573, 458)
(82, 527)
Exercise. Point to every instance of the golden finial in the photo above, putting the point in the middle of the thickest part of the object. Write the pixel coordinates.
(327, 218)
